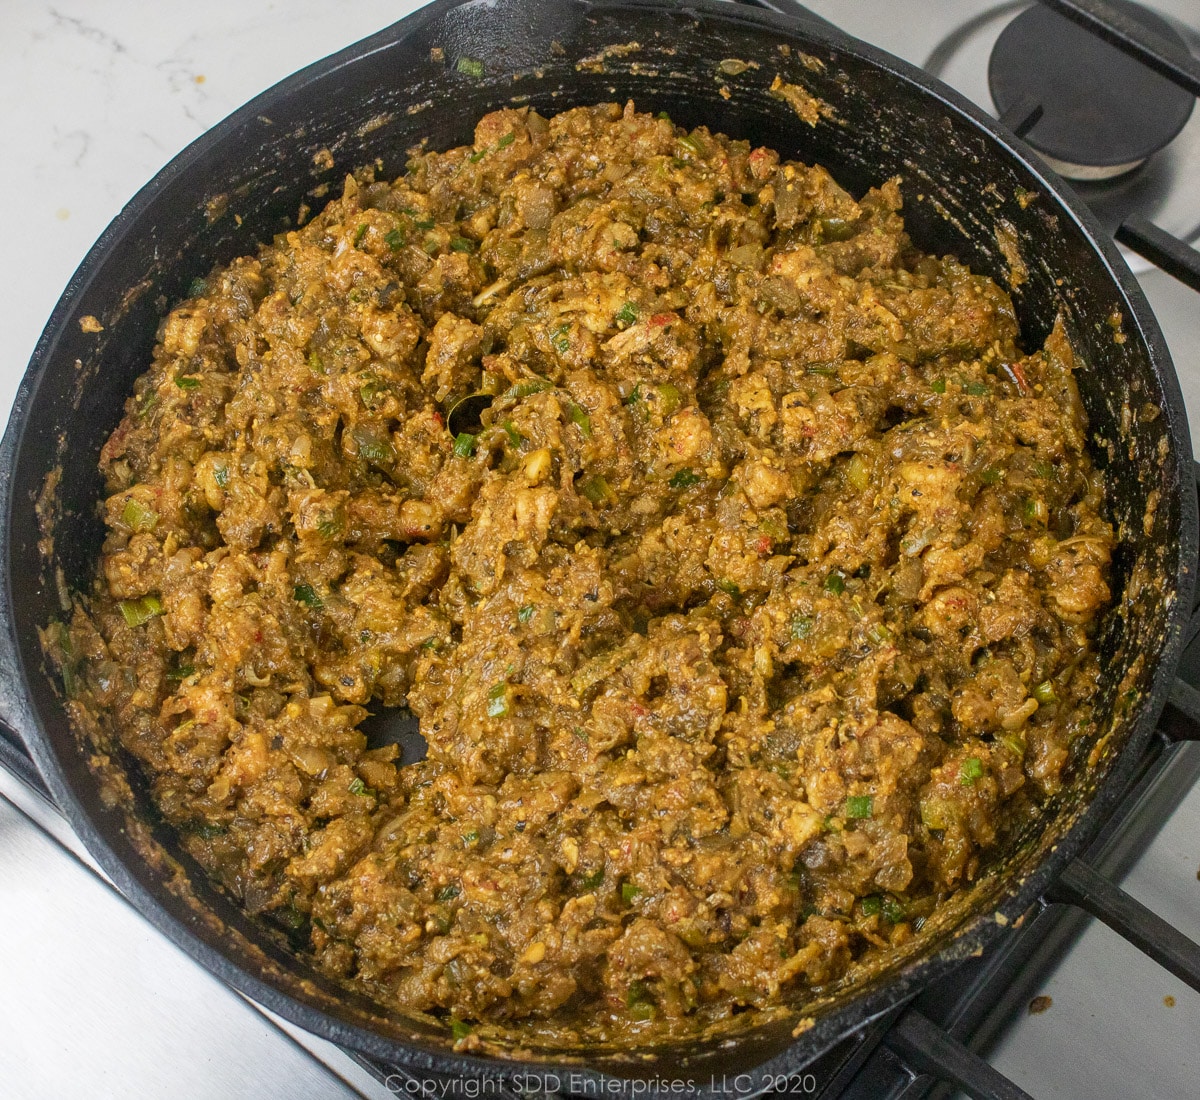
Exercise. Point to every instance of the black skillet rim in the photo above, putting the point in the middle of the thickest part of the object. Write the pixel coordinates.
(976, 932)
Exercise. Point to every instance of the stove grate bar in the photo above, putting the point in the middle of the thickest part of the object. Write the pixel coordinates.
(1129, 36)
(923, 1045)
(1177, 258)
(1084, 887)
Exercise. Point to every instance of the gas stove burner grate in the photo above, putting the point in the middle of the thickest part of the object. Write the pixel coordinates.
(1103, 113)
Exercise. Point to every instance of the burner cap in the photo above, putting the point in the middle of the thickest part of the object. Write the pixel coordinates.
(1104, 112)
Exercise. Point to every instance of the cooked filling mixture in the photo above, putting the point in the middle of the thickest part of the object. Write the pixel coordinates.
(738, 564)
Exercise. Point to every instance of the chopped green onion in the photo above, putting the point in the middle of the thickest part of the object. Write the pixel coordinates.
(357, 786)
(469, 66)
(860, 806)
(858, 472)
(141, 611)
(475, 158)
(664, 116)
(1044, 693)
(187, 382)
(872, 905)
(561, 339)
(514, 436)
(374, 449)
(1014, 744)
(359, 233)
(938, 385)
(835, 584)
(470, 836)
(464, 444)
(137, 517)
(396, 238)
(879, 634)
(449, 892)
(1034, 510)
(525, 613)
(506, 141)
(635, 395)
(462, 244)
(637, 994)
(598, 491)
(178, 675)
(528, 388)
(497, 706)
(329, 527)
(993, 475)
(684, 479)
(459, 1029)
(579, 415)
(825, 370)
(670, 397)
(977, 389)
(221, 476)
(370, 390)
(801, 627)
(425, 223)
(893, 911)
(629, 891)
(197, 287)
(971, 769)
(307, 595)
(315, 363)
(1043, 470)
(692, 144)
(590, 882)
(627, 314)
(729, 587)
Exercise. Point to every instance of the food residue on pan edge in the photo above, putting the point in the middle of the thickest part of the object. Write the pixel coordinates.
(1039, 1005)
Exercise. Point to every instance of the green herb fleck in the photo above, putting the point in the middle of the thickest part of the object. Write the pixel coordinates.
(560, 339)
(469, 66)
(359, 233)
(627, 314)
(860, 806)
(425, 224)
(525, 613)
(315, 363)
(629, 891)
(692, 144)
(892, 910)
(497, 706)
(187, 382)
(528, 388)
(506, 141)
(591, 881)
(993, 475)
(221, 476)
(684, 479)
(1043, 470)
(464, 444)
(835, 584)
(977, 389)
(307, 595)
(971, 769)
(729, 587)
(872, 905)
(462, 244)
(514, 436)
(470, 836)
(178, 675)
(396, 238)
(459, 1029)
(475, 158)
(197, 287)
(449, 892)
(357, 786)
(938, 385)
(801, 627)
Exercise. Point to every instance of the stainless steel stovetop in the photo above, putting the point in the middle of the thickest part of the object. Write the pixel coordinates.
(97, 1004)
